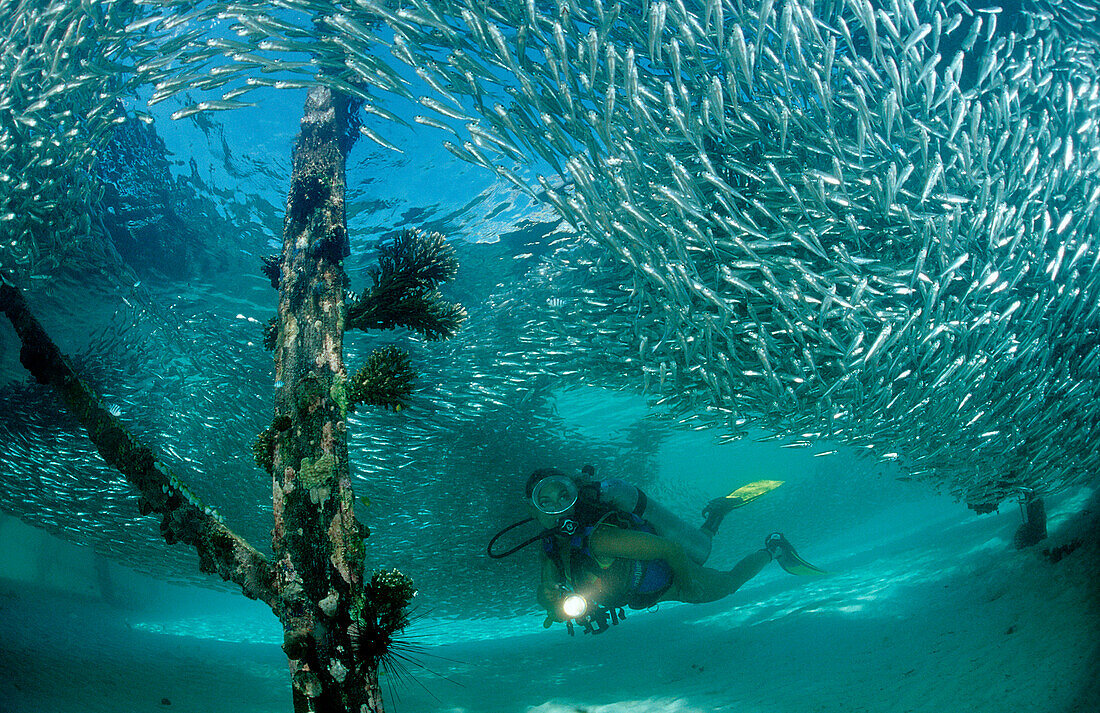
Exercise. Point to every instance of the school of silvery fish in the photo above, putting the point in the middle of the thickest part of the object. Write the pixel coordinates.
(838, 222)
(872, 222)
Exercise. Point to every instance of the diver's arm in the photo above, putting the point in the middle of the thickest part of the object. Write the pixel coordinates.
(627, 544)
(549, 586)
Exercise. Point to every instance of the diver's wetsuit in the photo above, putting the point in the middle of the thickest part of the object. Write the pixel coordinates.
(638, 584)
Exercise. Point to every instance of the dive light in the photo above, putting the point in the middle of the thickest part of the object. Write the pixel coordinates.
(590, 616)
(574, 605)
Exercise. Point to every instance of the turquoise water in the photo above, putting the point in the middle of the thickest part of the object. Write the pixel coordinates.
(569, 358)
(927, 607)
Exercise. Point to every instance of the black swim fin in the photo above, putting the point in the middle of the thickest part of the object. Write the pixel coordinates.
(788, 559)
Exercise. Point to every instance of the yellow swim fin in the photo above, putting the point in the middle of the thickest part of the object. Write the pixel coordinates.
(747, 493)
(720, 507)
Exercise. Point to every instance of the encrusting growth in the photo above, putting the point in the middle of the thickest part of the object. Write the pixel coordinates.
(271, 269)
(271, 333)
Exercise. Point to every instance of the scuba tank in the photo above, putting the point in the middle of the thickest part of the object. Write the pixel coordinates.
(625, 497)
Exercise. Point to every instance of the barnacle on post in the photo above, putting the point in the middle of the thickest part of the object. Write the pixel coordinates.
(404, 291)
(263, 450)
(271, 334)
(385, 380)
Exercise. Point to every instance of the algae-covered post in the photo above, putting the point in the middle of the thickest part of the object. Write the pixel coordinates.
(317, 544)
(337, 627)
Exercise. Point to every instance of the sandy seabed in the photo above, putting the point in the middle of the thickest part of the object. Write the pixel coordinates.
(938, 616)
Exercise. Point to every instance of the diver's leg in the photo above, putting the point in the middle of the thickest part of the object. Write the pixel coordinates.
(715, 512)
(715, 516)
(748, 568)
(628, 498)
(710, 585)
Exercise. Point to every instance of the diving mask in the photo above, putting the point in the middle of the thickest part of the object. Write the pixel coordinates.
(554, 495)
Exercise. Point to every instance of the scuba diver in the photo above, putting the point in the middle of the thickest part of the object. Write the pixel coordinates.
(606, 546)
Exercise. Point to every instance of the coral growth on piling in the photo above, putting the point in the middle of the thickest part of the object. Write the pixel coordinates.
(404, 291)
(385, 380)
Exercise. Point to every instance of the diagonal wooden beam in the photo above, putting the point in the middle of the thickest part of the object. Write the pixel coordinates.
(183, 517)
